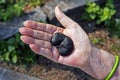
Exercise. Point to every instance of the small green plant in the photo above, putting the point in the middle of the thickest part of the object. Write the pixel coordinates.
(95, 40)
(34, 2)
(103, 15)
(93, 11)
(14, 51)
(14, 8)
(10, 9)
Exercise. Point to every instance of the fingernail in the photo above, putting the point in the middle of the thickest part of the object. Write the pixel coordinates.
(25, 23)
(58, 8)
(21, 37)
(21, 29)
(59, 14)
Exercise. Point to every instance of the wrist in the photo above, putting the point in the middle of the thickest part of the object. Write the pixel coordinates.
(101, 62)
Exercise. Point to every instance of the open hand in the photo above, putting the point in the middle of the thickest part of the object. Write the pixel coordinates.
(37, 36)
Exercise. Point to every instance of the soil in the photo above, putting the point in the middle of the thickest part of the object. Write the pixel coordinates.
(106, 42)
(48, 70)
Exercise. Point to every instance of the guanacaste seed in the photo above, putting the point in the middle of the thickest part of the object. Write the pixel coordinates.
(66, 47)
(63, 43)
(57, 38)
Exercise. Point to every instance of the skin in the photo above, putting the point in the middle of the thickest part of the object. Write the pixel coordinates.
(38, 35)
(96, 62)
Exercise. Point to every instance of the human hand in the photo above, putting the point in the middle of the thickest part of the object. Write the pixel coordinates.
(38, 35)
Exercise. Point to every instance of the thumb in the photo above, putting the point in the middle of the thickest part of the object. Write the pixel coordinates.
(63, 19)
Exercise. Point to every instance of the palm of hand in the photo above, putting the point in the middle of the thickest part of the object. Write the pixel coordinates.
(82, 47)
(38, 35)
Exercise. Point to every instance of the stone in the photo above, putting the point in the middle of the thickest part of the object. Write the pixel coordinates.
(10, 28)
(38, 15)
(64, 5)
(7, 32)
(6, 74)
(2, 72)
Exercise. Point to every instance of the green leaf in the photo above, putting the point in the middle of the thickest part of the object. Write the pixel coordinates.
(105, 15)
(93, 4)
(112, 12)
(2, 1)
(1, 58)
(17, 10)
(95, 40)
(98, 21)
(97, 8)
(7, 58)
(17, 37)
(14, 59)
(110, 4)
(87, 2)
(11, 41)
(85, 16)
(92, 16)
(22, 44)
(11, 48)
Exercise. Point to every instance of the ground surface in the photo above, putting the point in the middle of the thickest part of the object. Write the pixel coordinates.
(6, 74)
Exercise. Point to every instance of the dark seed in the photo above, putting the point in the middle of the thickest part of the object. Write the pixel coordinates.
(66, 47)
(57, 38)
(63, 43)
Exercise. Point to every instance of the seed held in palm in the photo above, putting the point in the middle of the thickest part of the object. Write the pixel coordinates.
(66, 47)
(63, 43)
(57, 38)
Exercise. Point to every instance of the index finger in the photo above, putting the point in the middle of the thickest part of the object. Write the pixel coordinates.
(41, 26)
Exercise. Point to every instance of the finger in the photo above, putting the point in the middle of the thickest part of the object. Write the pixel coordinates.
(41, 51)
(56, 54)
(41, 26)
(41, 43)
(63, 19)
(35, 34)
